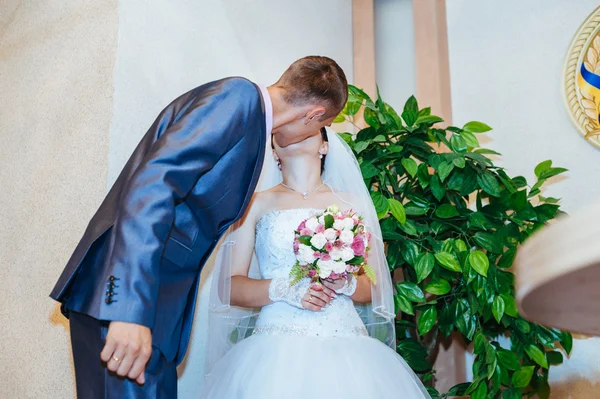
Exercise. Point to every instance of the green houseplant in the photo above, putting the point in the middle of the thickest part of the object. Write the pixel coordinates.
(452, 222)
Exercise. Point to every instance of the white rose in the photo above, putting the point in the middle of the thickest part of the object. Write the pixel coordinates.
(312, 223)
(338, 225)
(348, 223)
(347, 254)
(306, 254)
(335, 254)
(318, 241)
(339, 267)
(330, 234)
(347, 237)
(325, 268)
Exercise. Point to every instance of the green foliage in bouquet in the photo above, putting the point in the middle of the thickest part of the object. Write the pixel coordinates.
(452, 222)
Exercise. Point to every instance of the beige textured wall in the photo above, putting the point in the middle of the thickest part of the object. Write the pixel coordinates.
(56, 67)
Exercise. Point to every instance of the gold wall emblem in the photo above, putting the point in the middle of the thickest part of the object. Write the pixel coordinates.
(581, 79)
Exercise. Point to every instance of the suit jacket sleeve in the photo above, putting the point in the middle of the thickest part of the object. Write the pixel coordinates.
(210, 124)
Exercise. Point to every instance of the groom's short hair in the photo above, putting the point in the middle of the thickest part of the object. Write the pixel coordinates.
(315, 79)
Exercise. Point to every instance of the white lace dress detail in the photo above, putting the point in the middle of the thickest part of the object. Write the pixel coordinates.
(275, 254)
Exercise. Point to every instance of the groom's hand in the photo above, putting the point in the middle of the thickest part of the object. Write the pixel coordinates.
(127, 350)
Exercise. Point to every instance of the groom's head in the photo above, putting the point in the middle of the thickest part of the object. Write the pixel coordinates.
(311, 93)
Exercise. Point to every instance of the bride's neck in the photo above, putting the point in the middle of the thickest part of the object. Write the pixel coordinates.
(302, 174)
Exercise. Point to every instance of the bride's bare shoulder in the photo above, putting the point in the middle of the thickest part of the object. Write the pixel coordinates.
(261, 202)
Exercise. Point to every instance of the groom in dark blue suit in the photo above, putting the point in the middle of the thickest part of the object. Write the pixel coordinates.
(129, 289)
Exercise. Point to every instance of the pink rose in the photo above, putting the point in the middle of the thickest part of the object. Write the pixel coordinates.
(328, 246)
(325, 257)
(302, 225)
(358, 246)
(306, 232)
(317, 255)
(320, 229)
(312, 273)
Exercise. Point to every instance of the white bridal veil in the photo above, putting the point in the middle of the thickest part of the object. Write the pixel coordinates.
(230, 324)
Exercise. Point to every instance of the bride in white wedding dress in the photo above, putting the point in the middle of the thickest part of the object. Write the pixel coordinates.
(269, 339)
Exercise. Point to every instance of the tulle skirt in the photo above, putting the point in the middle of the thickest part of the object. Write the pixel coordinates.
(266, 366)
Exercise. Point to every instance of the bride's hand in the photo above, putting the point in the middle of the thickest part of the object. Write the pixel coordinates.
(317, 297)
(335, 285)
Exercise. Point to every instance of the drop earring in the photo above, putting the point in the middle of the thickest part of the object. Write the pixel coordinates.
(321, 156)
(278, 164)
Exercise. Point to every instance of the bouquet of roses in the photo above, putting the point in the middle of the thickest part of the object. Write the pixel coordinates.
(330, 246)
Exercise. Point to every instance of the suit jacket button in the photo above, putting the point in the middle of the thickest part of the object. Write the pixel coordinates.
(109, 301)
(112, 278)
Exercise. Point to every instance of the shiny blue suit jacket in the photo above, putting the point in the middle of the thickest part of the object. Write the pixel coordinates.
(190, 177)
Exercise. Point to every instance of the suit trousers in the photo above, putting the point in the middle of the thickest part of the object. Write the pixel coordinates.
(95, 381)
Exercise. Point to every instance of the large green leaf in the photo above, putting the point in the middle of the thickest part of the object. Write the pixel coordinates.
(510, 305)
(476, 127)
(368, 170)
(508, 359)
(458, 143)
(489, 184)
(411, 291)
(438, 287)
(409, 228)
(427, 320)
(541, 167)
(444, 170)
(567, 342)
(361, 146)
(403, 304)
(552, 172)
(448, 261)
(397, 210)
(498, 308)
(410, 252)
(428, 119)
(410, 165)
(522, 377)
(480, 262)
(411, 109)
(512, 394)
(489, 242)
(481, 391)
(424, 266)
(537, 355)
(470, 139)
(381, 204)
(554, 358)
(371, 117)
(446, 211)
(437, 189)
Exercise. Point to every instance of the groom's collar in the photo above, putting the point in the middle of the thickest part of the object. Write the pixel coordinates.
(268, 109)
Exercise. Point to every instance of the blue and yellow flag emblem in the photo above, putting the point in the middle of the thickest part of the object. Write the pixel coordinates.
(581, 79)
